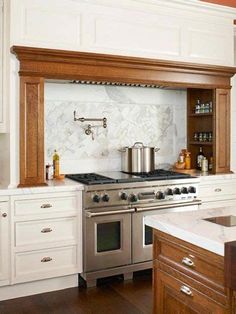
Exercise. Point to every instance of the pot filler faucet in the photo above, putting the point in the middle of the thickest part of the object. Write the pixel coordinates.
(88, 130)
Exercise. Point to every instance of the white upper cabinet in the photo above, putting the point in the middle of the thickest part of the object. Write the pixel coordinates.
(154, 29)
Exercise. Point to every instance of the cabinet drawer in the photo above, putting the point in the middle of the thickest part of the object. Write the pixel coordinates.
(174, 293)
(45, 231)
(45, 204)
(218, 190)
(45, 263)
(195, 262)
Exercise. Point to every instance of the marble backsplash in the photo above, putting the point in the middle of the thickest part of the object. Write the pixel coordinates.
(156, 117)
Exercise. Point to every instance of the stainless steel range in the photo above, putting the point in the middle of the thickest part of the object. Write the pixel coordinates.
(116, 241)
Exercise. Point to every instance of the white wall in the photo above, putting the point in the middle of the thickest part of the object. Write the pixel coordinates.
(157, 117)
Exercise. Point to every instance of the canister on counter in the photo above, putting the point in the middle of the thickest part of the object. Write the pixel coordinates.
(204, 165)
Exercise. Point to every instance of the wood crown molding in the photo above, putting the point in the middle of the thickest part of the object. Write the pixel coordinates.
(72, 65)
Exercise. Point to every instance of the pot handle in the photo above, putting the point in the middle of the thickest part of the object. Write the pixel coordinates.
(156, 149)
(138, 144)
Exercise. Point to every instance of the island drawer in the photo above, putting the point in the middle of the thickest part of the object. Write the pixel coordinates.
(48, 263)
(191, 260)
(178, 289)
(46, 231)
(41, 204)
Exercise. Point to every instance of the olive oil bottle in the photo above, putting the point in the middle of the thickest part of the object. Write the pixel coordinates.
(56, 166)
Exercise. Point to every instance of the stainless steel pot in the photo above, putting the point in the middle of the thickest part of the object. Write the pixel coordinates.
(138, 158)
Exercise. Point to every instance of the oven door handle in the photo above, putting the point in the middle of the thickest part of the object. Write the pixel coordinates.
(166, 206)
(113, 212)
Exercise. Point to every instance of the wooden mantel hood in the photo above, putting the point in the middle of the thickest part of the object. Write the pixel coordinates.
(72, 65)
(38, 64)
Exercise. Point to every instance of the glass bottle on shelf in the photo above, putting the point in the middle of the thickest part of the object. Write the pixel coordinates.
(210, 106)
(199, 159)
(198, 106)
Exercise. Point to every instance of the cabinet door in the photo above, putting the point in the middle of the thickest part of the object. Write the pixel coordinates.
(222, 131)
(173, 296)
(4, 243)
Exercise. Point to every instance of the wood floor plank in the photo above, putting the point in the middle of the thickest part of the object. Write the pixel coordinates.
(112, 297)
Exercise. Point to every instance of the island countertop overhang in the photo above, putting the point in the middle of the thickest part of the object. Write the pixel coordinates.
(191, 227)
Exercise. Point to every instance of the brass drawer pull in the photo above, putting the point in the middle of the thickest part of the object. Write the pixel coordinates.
(46, 206)
(186, 290)
(218, 190)
(46, 230)
(4, 215)
(188, 262)
(46, 259)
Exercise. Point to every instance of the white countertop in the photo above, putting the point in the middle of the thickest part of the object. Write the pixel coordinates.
(65, 185)
(190, 226)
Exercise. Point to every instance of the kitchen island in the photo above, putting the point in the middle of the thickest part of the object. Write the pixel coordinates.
(194, 261)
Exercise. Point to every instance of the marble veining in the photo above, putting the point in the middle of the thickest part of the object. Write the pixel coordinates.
(154, 117)
(190, 226)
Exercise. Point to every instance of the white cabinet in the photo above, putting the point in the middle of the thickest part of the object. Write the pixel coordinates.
(163, 30)
(217, 191)
(4, 242)
(47, 235)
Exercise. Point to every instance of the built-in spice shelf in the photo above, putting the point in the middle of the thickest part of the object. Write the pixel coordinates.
(214, 125)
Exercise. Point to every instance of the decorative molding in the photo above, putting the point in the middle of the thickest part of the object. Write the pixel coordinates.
(172, 4)
(72, 65)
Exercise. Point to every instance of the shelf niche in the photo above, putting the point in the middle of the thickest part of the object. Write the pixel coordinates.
(217, 122)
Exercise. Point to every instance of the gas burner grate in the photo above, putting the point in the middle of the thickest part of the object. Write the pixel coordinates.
(161, 174)
(90, 178)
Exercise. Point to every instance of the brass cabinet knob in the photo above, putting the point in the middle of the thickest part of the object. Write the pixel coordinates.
(4, 215)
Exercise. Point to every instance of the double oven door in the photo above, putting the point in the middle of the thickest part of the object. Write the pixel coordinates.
(118, 236)
(107, 238)
(142, 234)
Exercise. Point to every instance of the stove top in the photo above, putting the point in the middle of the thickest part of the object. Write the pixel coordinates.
(120, 177)
(161, 174)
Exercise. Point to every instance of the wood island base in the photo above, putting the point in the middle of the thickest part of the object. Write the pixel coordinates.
(189, 279)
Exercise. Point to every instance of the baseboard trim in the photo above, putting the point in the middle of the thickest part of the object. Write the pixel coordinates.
(39, 286)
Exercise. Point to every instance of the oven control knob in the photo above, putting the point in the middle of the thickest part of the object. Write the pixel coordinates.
(133, 198)
(105, 198)
(160, 195)
(184, 190)
(169, 192)
(124, 196)
(177, 191)
(192, 189)
(96, 198)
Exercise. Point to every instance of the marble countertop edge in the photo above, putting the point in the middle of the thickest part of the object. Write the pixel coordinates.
(66, 185)
(185, 235)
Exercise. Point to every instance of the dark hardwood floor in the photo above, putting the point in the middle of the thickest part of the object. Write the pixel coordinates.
(111, 296)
